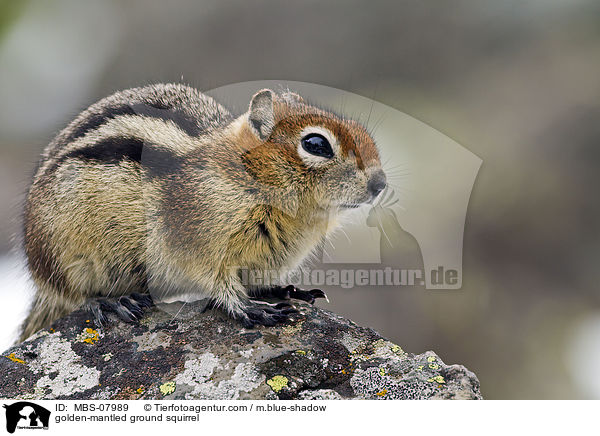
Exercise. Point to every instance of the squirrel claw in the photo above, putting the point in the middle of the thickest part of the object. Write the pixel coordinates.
(308, 296)
(256, 313)
(290, 291)
(284, 305)
(318, 293)
(129, 308)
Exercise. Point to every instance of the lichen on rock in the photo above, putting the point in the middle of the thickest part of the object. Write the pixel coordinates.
(205, 355)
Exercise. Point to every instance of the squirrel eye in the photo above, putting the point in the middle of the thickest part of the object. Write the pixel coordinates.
(318, 145)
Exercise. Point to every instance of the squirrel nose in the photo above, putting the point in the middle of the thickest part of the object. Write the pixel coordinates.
(377, 183)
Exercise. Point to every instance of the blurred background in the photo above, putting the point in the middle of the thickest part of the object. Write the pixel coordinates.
(515, 82)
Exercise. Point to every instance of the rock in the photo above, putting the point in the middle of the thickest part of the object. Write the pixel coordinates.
(178, 352)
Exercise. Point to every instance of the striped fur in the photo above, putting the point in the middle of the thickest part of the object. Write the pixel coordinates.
(159, 189)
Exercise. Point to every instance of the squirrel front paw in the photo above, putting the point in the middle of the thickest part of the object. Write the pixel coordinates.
(262, 313)
(129, 308)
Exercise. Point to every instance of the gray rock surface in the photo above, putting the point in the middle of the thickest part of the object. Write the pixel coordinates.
(180, 353)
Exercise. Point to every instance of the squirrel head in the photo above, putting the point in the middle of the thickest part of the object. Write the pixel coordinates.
(291, 145)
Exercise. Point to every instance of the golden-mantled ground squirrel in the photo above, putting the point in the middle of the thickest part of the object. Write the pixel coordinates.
(161, 191)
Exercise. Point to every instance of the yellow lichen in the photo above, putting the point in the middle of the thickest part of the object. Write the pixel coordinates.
(396, 349)
(293, 328)
(431, 359)
(14, 358)
(379, 343)
(437, 379)
(347, 370)
(380, 349)
(139, 390)
(382, 393)
(381, 371)
(302, 352)
(420, 368)
(278, 382)
(167, 388)
(89, 336)
(434, 366)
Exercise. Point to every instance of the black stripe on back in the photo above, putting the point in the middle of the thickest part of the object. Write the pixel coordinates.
(158, 161)
(97, 119)
(110, 150)
(183, 120)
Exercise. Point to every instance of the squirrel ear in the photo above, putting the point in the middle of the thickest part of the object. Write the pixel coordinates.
(261, 116)
(292, 98)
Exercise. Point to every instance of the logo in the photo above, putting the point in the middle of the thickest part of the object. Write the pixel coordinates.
(26, 415)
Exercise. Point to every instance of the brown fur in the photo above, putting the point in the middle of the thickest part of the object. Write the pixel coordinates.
(185, 222)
